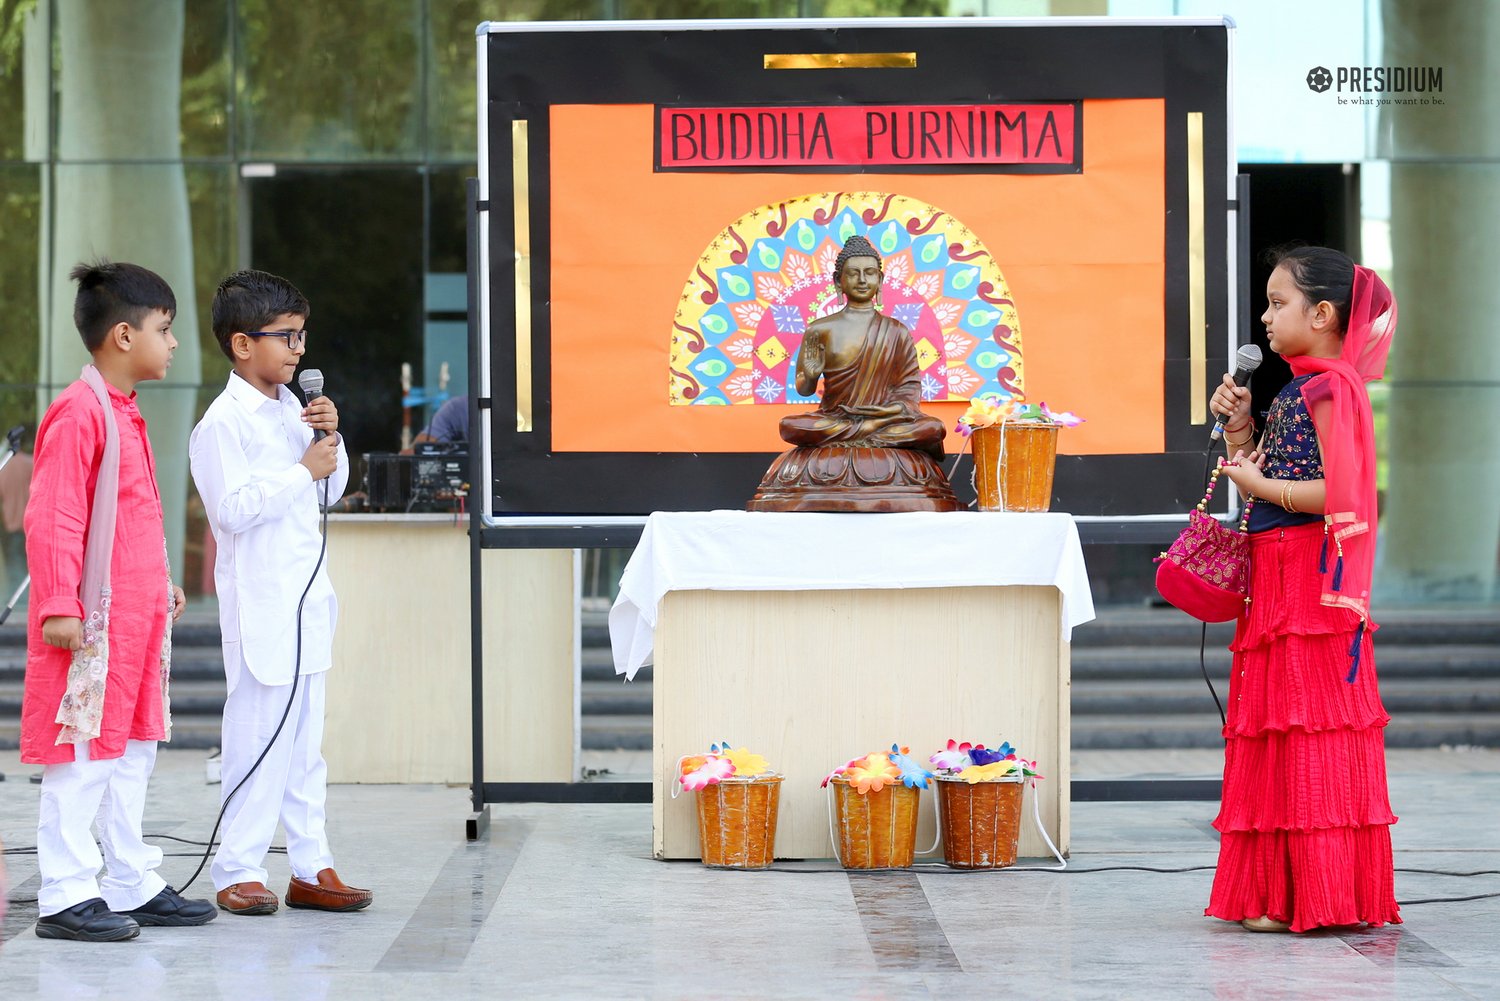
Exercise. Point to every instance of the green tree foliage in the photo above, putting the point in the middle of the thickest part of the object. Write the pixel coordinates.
(20, 235)
(205, 78)
(329, 80)
(13, 14)
(12, 20)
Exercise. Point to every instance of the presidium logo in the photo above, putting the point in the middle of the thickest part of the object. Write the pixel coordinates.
(1379, 84)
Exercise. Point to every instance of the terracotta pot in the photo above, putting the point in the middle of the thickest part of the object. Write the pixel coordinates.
(877, 830)
(1013, 466)
(981, 822)
(737, 822)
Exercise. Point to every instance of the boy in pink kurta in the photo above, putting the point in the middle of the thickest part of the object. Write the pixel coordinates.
(57, 518)
(99, 758)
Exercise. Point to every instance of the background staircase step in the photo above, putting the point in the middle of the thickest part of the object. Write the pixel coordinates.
(1136, 681)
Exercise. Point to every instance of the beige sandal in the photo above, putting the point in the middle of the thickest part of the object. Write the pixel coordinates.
(1265, 923)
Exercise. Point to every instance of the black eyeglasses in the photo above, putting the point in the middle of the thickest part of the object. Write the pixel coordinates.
(294, 338)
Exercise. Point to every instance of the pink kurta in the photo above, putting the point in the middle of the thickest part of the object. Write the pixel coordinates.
(69, 446)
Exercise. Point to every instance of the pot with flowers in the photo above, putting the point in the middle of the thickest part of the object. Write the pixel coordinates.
(979, 803)
(738, 799)
(1015, 451)
(875, 800)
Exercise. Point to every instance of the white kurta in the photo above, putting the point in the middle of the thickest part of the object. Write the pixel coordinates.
(262, 506)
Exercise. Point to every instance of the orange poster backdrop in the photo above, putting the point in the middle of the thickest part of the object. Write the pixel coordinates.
(1083, 256)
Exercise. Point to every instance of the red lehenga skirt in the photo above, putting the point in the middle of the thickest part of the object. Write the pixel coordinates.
(1304, 823)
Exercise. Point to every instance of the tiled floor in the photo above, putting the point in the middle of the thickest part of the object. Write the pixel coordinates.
(564, 901)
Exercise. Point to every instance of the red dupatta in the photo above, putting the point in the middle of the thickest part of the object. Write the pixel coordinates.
(1340, 409)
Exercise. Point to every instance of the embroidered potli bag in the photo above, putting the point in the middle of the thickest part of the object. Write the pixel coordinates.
(1206, 572)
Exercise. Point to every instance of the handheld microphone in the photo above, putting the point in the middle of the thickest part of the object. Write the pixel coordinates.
(311, 381)
(1246, 360)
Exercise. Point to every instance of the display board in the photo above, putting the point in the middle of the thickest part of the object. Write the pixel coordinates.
(661, 203)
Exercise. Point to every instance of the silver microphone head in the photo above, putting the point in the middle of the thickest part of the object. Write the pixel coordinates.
(1246, 359)
(311, 380)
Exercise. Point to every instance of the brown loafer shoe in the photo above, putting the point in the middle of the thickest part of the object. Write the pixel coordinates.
(327, 894)
(247, 898)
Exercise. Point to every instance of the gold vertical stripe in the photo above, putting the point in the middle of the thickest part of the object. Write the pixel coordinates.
(840, 60)
(520, 149)
(1197, 319)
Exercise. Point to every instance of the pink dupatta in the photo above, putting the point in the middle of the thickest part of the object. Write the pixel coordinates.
(82, 707)
(1340, 408)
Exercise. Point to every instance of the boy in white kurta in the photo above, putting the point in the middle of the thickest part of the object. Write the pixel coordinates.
(263, 474)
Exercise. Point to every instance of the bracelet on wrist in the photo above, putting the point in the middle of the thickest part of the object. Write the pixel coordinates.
(1286, 497)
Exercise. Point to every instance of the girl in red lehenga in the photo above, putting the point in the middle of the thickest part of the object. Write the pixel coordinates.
(1305, 819)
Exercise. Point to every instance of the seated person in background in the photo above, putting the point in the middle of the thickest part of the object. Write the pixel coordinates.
(449, 424)
(15, 491)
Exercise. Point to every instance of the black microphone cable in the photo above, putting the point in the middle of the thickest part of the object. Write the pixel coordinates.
(1247, 360)
(1208, 465)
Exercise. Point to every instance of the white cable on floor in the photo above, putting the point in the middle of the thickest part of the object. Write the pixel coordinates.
(1036, 810)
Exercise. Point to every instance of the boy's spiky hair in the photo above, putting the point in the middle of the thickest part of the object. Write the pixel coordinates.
(110, 292)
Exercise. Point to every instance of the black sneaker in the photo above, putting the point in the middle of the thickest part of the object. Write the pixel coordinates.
(90, 921)
(170, 908)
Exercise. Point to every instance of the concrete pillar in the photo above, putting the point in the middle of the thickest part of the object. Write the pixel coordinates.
(1441, 525)
(119, 191)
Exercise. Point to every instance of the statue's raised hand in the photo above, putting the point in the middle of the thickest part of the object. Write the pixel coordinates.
(810, 360)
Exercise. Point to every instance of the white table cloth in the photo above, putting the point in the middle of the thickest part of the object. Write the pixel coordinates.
(766, 551)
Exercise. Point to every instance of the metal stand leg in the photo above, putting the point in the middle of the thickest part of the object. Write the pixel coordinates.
(5, 614)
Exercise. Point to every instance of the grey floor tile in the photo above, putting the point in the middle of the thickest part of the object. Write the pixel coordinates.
(565, 902)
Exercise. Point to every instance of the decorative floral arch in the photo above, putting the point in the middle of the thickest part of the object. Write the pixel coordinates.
(755, 288)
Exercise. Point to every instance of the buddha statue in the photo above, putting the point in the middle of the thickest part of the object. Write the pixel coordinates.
(868, 446)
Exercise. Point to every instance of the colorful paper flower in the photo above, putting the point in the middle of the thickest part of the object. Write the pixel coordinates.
(840, 770)
(988, 411)
(954, 759)
(873, 773)
(913, 775)
(976, 763)
(1061, 417)
(697, 771)
(983, 412)
(714, 769)
(746, 764)
(980, 756)
(990, 772)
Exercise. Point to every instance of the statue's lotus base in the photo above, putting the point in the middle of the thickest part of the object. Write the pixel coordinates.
(854, 479)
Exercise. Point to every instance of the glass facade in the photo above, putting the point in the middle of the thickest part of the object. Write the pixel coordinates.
(329, 142)
(326, 142)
